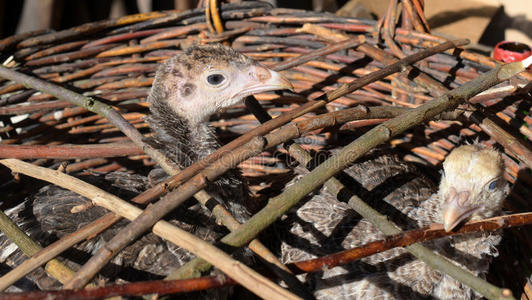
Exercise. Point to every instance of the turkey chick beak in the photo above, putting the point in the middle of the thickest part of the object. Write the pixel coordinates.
(457, 208)
(261, 79)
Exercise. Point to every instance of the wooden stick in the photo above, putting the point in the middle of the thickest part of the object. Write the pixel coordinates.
(69, 151)
(408, 238)
(159, 287)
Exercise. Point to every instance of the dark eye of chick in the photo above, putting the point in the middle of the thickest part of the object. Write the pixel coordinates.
(492, 185)
(215, 79)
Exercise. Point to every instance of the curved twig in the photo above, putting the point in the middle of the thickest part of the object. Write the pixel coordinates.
(159, 287)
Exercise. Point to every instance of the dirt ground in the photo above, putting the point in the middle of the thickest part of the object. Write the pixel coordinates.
(482, 21)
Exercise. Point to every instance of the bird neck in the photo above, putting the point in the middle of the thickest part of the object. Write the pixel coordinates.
(184, 141)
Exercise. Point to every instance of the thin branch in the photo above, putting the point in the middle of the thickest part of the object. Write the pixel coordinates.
(301, 59)
(388, 29)
(433, 87)
(508, 141)
(407, 238)
(85, 29)
(159, 287)
(69, 151)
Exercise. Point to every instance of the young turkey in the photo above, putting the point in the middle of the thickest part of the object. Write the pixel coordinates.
(187, 90)
(472, 187)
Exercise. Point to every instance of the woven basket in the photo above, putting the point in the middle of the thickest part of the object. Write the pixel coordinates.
(115, 61)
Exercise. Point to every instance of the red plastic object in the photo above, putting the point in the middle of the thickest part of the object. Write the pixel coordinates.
(507, 51)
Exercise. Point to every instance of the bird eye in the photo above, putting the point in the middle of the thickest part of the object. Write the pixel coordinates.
(493, 185)
(215, 79)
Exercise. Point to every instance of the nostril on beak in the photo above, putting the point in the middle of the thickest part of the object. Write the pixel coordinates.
(261, 73)
(463, 197)
(451, 195)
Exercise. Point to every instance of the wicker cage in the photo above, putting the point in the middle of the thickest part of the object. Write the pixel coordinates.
(114, 61)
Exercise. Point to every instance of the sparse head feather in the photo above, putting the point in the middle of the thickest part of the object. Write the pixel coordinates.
(475, 160)
(206, 79)
(196, 58)
(472, 185)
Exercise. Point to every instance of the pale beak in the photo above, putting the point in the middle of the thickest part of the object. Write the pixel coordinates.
(457, 209)
(261, 79)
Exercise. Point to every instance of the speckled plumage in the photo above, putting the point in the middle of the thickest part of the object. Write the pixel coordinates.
(186, 91)
(49, 217)
(323, 225)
